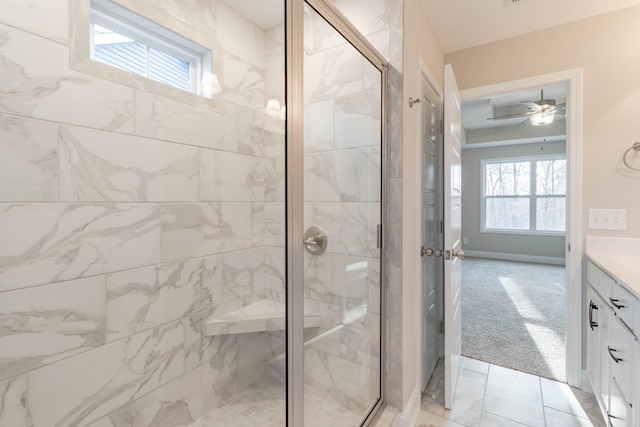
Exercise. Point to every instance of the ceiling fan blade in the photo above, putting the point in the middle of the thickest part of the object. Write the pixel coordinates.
(512, 116)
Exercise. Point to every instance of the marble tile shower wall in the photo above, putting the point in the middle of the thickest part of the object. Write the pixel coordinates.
(342, 194)
(127, 218)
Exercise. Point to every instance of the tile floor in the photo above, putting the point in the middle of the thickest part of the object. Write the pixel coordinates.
(493, 396)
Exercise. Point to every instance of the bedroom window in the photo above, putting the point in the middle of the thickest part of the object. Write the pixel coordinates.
(128, 41)
(526, 195)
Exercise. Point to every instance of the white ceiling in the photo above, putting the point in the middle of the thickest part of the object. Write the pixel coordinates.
(460, 24)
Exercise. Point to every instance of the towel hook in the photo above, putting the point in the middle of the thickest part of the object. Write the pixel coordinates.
(635, 147)
(414, 101)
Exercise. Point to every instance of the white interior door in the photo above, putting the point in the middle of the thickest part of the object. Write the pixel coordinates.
(431, 292)
(452, 234)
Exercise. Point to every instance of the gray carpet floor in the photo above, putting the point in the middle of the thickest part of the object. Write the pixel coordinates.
(513, 315)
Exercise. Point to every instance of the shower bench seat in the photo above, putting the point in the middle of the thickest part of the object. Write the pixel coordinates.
(261, 316)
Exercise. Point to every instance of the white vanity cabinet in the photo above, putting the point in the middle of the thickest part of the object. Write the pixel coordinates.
(613, 352)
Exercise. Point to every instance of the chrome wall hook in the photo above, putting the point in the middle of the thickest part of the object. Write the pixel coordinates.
(414, 101)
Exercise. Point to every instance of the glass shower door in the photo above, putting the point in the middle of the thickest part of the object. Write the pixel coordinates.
(342, 139)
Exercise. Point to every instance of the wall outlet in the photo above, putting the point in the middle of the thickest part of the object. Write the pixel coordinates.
(465, 241)
(607, 219)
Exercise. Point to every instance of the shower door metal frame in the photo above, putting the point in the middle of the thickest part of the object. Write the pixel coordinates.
(294, 74)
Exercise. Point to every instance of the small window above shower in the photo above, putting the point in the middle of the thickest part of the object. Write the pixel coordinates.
(125, 40)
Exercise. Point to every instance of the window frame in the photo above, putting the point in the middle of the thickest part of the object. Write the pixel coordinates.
(533, 196)
(153, 35)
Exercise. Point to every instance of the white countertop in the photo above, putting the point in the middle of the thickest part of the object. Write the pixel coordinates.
(625, 269)
(620, 257)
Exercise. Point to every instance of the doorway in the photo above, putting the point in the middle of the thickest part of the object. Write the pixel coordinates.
(573, 245)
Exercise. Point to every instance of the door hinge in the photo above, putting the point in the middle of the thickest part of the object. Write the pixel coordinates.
(441, 226)
(441, 327)
(441, 126)
(379, 237)
(569, 247)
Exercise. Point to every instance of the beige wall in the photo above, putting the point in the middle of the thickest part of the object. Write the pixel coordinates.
(606, 48)
(419, 42)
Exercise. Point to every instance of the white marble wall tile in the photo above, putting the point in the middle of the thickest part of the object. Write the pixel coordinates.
(166, 119)
(46, 243)
(102, 166)
(200, 229)
(350, 385)
(319, 120)
(253, 355)
(243, 273)
(273, 224)
(199, 14)
(375, 304)
(38, 83)
(368, 16)
(231, 177)
(357, 120)
(274, 268)
(13, 402)
(318, 34)
(43, 324)
(274, 180)
(28, 160)
(200, 348)
(86, 387)
(351, 227)
(369, 170)
(331, 176)
(48, 19)
(338, 279)
(243, 129)
(350, 333)
(274, 64)
(144, 298)
(242, 82)
(274, 135)
(332, 73)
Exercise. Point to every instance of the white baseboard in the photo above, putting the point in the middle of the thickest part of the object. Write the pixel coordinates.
(515, 257)
(409, 415)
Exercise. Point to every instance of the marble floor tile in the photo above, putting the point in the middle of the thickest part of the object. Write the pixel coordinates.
(555, 418)
(427, 419)
(467, 404)
(491, 420)
(561, 397)
(474, 365)
(514, 395)
(510, 399)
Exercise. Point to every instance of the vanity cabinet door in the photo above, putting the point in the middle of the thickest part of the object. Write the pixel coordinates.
(594, 328)
(619, 410)
(619, 350)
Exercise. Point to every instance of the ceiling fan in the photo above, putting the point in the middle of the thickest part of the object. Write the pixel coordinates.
(541, 112)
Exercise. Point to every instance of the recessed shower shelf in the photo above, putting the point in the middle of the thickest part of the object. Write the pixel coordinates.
(263, 315)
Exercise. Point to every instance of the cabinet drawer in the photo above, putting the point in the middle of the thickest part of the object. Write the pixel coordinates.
(624, 304)
(599, 280)
(619, 350)
(620, 411)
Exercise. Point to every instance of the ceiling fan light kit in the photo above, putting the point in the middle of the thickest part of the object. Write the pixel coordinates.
(541, 112)
(542, 118)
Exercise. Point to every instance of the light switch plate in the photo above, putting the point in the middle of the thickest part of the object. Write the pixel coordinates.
(608, 219)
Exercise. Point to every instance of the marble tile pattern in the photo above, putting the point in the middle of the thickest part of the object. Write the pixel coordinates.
(490, 395)
(28, 160)
(130, 215)
(134, 215)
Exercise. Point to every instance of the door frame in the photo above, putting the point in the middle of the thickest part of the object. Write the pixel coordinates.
(424, 76)
(294, 178)
(574, 238)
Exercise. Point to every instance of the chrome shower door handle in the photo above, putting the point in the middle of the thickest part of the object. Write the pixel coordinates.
(315, 240)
